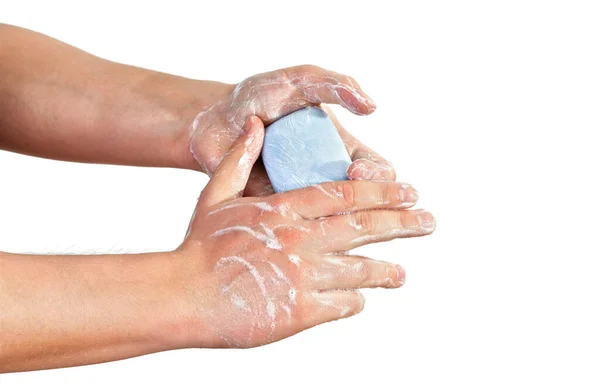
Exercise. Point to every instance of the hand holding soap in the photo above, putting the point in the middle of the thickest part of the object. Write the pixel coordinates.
(303, 149)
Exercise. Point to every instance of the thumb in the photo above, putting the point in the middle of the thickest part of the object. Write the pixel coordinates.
(232, 175)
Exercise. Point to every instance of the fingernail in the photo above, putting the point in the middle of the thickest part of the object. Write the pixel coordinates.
(426, 220)
(370, 103)
(355, 171)
(408, 194)
(401, 275)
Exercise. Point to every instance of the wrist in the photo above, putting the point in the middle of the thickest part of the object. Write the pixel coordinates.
(172, 319)
(191, 300)
(103, 307)
(186, 99)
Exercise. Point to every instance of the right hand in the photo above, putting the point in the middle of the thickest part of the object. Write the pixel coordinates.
(271, 96)
(264, 268)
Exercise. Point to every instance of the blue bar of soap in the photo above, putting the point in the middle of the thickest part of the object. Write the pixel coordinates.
(303, 149)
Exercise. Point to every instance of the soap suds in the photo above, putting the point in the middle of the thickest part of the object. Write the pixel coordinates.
(288, 226)
(283, 208)
(239, 302)
(328, 194)
(354, 224)
(279, 272)
(292, 294)
(269, 96)
(397, 233)
(271, 310)
(262, 206)
(358, 266)
(272, 241)
(260, 281)
(322, 300)
(268, 237)
(287, 310)
(246, 160)
(335, 260)
(294, 259)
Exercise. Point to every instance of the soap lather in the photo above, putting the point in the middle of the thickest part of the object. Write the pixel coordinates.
(303, 149)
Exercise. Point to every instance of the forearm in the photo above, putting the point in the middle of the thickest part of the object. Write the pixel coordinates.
(62, 311)
(59, 102)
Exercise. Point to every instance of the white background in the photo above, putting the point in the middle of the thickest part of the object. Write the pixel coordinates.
(490, 108)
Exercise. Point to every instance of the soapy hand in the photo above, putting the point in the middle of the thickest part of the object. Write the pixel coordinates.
(264, 268)
(271, 96)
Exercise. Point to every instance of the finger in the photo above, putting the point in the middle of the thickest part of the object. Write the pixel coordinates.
(327, 306)
(349, 231)
(332, 198)
(368, 170)
(333, 272)
(318, 85)
(274, 94)
(231, 176)
(367, 164)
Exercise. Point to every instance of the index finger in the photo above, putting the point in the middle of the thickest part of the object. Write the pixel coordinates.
(333, 198)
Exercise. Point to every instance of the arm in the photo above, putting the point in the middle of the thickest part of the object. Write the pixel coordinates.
(70, 310)
(59, 102)
(250, 271)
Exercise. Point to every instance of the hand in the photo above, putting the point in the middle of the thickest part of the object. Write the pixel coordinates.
(264, 268)
(271, 96)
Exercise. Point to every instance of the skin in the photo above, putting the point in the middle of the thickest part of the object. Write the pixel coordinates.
(275, 259)
(254, 268)
(251, 270)
(62, 103)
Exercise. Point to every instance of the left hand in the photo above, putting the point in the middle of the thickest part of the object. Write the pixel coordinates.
(271, 96)
(260, 269)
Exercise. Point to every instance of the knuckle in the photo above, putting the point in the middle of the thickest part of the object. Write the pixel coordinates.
(403, 220)
(285, 206)
(242, 88)
(348, 193)
(293, 238)
(390, 194)
(308, 68)
(365, 222)
(361, 272)
(351, 81)
(279, 199)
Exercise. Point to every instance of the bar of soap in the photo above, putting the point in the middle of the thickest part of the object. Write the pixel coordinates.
(303, 149)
